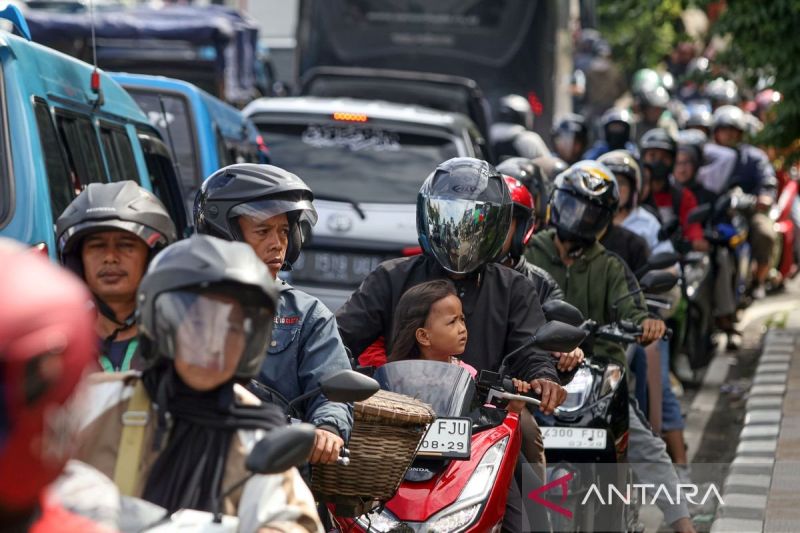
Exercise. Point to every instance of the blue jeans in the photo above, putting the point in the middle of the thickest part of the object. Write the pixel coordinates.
(671, 417)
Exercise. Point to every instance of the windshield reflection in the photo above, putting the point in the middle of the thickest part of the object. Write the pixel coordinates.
(448, 388)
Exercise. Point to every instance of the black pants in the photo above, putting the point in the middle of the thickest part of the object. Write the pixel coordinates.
(522, 513)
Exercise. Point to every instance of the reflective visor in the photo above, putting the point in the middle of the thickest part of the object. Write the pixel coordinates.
(579, 216)
(466, 234)
(267, 208)
(212, 331)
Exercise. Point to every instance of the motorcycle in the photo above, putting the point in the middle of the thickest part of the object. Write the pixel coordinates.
(281, 449)
(589, 431)
(785, 215)
(460, 478)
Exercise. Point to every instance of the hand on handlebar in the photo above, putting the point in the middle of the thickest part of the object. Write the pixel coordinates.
(552, 394)
(522, 387)
(652, 330)
(568, 361)
(326, 447)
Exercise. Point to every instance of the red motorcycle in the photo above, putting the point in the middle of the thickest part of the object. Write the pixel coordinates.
(785, 214)
(460, 478)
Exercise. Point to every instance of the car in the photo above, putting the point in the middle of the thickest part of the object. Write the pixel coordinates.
(365, 161)
(64, 125)
(203, 132)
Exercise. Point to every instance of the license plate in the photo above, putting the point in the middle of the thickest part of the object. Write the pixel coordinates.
(343, 268)
(574, 438)
(447, 437)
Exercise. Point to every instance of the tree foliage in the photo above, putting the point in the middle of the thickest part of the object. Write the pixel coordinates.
(640, 32)
(765, 41)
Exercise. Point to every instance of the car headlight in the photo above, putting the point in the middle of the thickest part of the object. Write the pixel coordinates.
(611, 378)
(465, 509)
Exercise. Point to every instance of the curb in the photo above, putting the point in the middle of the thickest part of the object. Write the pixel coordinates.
(751, 472)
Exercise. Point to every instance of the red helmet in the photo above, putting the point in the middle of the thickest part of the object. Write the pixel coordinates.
(47, 339)
(524, 215)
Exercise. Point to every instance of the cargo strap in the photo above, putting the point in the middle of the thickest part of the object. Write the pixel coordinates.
(129, 454)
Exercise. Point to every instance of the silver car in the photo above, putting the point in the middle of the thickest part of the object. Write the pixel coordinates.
(365, 161)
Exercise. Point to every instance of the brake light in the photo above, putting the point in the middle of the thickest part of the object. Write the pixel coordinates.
(536, 104)
(95, 81)
(350, 117)
(411, 250)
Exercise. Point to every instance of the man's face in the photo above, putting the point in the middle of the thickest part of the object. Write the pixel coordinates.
(624, 186)
(113, 264)
(509, 237)
(727, 136)
(652, 114)
(269, 238)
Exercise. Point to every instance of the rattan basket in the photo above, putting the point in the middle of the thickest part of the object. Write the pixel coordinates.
(387, 431)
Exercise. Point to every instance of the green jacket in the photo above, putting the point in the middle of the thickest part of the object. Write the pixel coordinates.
(592, 284)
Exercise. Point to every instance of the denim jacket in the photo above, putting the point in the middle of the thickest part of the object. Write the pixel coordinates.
(306, 347)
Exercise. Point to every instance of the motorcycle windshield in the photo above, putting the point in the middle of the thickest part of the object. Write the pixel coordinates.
(446, 387)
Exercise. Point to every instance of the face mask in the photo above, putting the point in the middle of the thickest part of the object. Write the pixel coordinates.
(575, 247)
(616, 140)
(659, 171)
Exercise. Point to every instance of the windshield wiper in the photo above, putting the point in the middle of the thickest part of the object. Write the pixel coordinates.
(334, 198)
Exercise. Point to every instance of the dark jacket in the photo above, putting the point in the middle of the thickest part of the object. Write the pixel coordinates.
(306, 347)
(501, 307)
(753, 171)
(546, 286)
(592, 284)
(631, 247)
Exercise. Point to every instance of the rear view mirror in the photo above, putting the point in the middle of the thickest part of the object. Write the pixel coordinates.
(668, 229)
(348, 386)
(563, 312)
(658, 282)
(699, 214)
(281, 449)
(662, 260)
(557, 336)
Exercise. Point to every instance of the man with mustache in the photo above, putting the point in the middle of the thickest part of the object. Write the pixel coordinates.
(271, 210)
(107, 236)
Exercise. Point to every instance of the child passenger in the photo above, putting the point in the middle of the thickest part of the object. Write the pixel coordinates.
(430, 325)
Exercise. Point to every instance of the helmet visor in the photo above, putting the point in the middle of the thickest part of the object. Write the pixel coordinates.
(579, 217)
(213, 331)
(72, 236)
(261, 210)
(465, 234)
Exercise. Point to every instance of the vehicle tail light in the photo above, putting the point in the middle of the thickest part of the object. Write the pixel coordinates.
(621, 445)
(350, 117)
(411, 250)
(536, 104)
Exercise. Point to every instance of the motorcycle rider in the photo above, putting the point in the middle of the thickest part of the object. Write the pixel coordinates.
(48, 340)
(511, 133)
(755, 175)
(667, 200)
(650, 101)
(570, 137)
(177, 434)
(583, 203)
(535, 175)
(271, 210)
(617, 126)
(107, 235)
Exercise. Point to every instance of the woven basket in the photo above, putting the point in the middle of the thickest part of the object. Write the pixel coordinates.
(387, 431)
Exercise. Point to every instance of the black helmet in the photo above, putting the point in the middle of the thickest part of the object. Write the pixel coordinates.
(533, 176)
(584, 201)
(693, 142)
(658, 138)
(617, 124)
(121, 205)
(463, 214)
(729, 116)
(261, 191)
(515, 109)
(571, 124)
(175, 299)
(622, 163)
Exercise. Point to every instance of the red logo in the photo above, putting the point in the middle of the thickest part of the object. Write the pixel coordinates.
(537, 494)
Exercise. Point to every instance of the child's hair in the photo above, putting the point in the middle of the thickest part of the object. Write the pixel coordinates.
(412, 312)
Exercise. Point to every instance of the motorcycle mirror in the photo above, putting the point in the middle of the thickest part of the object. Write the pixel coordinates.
(563, 312)
(699, 214)
(557, 336)
(281, 449)
(658, 262)
(348, 386)
(658, 281)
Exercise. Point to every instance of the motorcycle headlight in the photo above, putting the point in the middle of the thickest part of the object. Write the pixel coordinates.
(465, 509)
(382, 522)
(611, 379)
(578, 391)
